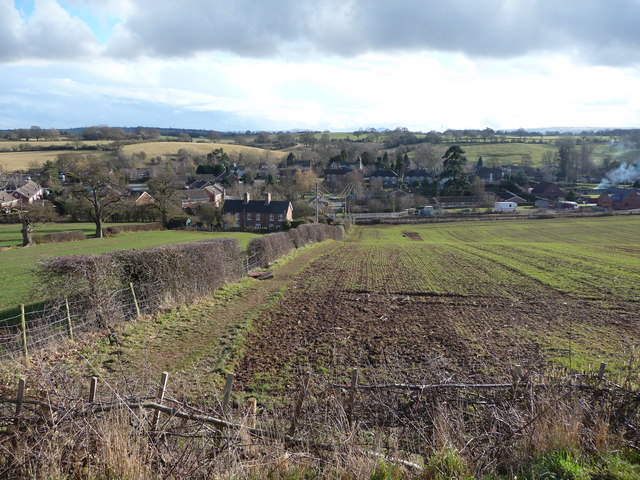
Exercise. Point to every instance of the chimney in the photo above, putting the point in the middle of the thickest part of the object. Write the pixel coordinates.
(247, 197)
(267, 198)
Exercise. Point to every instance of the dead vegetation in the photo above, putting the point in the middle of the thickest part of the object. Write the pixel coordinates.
(60, 430)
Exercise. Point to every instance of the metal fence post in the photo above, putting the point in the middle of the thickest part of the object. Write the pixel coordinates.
(23, 326)
(69, 326)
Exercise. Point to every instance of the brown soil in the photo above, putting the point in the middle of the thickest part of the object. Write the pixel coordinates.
(414, 336)
(412, 236)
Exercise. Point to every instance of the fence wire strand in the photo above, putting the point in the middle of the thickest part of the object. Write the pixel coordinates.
(57, 320)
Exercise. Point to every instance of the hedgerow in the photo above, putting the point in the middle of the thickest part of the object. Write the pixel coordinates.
(130, 228)
(270, 247)
(59, 237)
(168, 273)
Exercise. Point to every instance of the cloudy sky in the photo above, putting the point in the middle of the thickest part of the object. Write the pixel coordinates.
(320, 64)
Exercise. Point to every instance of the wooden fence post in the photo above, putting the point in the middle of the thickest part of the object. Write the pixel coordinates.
(516, 374)
(298, 408)
(159, 398)
(23, 327)
(135, 299)
(69, 326)
(20, 397)
(252, 404)
(93, 387)
(227, 393)
(603, 367)
(352, 395)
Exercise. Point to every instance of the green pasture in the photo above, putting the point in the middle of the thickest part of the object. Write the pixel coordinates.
(616, 230)
(16, 273)
(584, 257)
(548, 268)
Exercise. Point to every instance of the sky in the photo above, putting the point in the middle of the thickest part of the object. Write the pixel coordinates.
(339, 65)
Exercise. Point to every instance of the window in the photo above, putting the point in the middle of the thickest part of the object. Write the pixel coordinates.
(257, 217)
(248, 216)
(280, 217)
(271, 217)
(258, 225)
(238, 216)
(271, 225)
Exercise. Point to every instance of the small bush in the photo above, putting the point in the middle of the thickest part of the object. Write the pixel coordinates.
(59, 237)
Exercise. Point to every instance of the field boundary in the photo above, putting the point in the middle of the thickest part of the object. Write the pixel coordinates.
(165, 416)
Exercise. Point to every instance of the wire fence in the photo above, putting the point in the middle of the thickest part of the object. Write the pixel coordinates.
(41, 324)
(60, 319)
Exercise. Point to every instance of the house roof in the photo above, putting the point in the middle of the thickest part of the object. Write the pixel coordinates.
(256, 206)
(618, 194)
(6, 197)
(507, 195)
(417, 173)
(198, 184)
(337, 171)
(384, 172)
(194, 195)
(214, 189)
(29, 189)
(545, 187)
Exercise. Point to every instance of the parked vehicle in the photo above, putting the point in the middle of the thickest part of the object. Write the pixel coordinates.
(505, 207)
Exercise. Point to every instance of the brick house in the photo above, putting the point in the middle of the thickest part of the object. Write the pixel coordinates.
(29, 192)
(258, 213)
(619, 198)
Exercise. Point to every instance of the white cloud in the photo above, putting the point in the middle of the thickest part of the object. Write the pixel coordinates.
(331, 63)
(50, 33)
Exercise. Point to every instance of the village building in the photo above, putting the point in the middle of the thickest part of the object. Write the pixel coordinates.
(29, 192)
(412, 177)
(389, 178)
(547, 191)
(619, 198)
(265, 213)
(7, 200)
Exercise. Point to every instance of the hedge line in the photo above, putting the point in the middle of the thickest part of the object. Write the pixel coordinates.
(129, 228)
(162, 275)
(169, 274)
(272, 246)
(59, 237)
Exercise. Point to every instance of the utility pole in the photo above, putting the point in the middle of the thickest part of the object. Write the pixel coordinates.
(316, 202)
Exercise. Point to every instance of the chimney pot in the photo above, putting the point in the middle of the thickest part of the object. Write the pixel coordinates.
(247, 197)
(267, 199)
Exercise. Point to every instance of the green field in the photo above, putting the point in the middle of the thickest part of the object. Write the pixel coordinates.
(16, 275)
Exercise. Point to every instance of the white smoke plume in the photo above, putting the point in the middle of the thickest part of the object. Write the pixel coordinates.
(625, 173)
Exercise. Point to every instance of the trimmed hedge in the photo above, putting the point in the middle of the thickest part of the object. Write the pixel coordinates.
(130, 228)
(161, 275)
(99, 285)
(59, 237)
(272, 246)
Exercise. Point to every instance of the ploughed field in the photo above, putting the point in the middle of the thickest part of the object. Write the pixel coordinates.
(456, 302)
